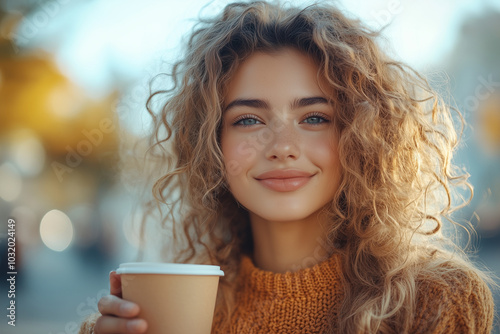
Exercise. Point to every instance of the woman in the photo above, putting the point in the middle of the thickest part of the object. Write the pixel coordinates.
(316, 171)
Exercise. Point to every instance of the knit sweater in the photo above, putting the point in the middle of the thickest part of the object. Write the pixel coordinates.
(306, 301)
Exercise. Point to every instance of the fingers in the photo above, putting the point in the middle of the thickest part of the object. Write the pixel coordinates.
(112, 305)
(117, 313)
(108, 324)
(115, 284)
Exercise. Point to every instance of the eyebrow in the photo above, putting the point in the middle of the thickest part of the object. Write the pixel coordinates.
(263, 104)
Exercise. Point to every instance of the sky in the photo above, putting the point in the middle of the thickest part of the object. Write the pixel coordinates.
(421, 32)
(97, 43)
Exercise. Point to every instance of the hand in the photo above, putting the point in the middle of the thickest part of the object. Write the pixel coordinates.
(117, 314)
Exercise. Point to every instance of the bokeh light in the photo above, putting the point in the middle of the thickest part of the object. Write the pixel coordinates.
(56, 230)
(27, 152)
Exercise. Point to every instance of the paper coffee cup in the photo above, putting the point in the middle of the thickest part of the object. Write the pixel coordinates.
(174, 298)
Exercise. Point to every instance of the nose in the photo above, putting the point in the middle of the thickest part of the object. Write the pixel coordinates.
(284, 144)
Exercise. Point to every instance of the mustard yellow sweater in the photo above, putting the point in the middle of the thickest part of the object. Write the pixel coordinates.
(301, 302)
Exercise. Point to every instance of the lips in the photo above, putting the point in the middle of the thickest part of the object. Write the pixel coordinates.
(284, 180)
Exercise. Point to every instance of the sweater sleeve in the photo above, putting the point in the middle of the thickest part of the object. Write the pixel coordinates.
(461, 303)
(88, 324)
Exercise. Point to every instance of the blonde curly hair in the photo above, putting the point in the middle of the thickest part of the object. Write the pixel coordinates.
(395, 147)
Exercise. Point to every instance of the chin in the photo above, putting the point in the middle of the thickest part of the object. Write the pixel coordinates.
(281, 214)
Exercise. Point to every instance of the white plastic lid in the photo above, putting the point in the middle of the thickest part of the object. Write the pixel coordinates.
(168, 268)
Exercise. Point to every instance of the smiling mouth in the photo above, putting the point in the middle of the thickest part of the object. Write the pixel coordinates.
(285, 184)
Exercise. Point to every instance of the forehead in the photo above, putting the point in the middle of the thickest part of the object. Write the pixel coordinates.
(281, 73)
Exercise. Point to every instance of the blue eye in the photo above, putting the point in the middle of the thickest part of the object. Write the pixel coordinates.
(247, 121)
(315, 119)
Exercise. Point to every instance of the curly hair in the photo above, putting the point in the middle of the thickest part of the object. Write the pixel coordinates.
(396, 139)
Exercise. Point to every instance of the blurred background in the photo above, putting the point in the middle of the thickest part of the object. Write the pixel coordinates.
(73, 85)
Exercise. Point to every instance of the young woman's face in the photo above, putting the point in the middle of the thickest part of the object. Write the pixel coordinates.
(278, 140)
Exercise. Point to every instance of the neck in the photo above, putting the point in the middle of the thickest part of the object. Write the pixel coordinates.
(288, 246)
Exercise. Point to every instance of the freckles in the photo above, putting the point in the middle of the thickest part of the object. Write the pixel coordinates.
(266, 136)
(246, 147)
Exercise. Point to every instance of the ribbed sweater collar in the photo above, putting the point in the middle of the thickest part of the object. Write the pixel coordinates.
(322, 277)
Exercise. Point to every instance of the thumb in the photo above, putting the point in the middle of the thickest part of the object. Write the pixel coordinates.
(115, 284)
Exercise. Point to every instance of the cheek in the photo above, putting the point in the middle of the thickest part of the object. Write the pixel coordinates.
(324, 154)
(238, 154)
